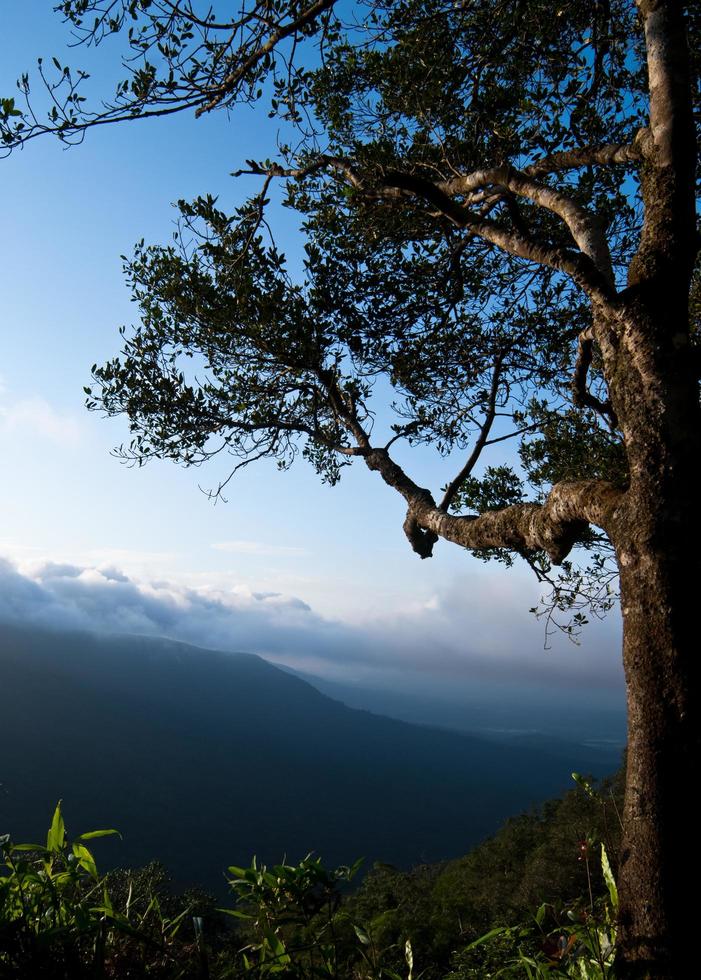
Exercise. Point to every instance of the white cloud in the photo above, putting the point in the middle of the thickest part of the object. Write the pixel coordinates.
(35, 417)
(476, 630)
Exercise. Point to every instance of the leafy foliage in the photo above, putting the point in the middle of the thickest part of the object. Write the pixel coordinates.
(60, 918)
(540, 858)
(54, 909)
(297, 927)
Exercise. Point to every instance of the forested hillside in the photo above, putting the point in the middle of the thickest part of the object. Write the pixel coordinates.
(548, 855)
(535, 889)
(235, 758)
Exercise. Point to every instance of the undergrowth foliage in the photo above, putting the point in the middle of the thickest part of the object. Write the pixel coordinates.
(61, 918)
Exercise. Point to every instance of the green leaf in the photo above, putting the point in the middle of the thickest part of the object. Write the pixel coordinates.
(107, 901)
(355, 867)
(500, 931)
(276, 946)
(583, 784)
(237, 872)
(86, 860)
(56, 837)
(608, 878)
(362, 935)
(92, 834)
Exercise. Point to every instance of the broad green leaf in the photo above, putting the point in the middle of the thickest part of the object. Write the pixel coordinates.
(237, 872)
(362, 935)
(276, 946)
(85, 860)
(56, 836)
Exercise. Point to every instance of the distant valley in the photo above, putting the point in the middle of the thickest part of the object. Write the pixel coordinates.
(202, 759)
(558, 724)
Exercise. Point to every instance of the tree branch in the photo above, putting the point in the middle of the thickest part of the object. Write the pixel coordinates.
(578, 265)
(668, 67)
(344, 409)
(588, 156)
(554, 526)
(590, 266)
(228, 85)
(481, 442)
(323, 161)
(669, 242)
(586, 228)
(581, 396)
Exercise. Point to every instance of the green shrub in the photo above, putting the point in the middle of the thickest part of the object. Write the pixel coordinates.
(59, 918)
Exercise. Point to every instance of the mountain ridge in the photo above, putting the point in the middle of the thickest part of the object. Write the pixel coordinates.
(202, 758)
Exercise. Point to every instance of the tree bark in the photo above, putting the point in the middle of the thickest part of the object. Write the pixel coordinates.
(655, 394)
(657, 536)
(659, 862)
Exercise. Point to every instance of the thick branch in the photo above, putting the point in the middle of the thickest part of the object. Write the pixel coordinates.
(588, 156)
(578, 265)
(554, 526)
(586, 228)
(590, 266)
(668, 79)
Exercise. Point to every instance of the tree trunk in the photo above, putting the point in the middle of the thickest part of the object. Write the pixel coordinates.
(660, 867)
(658, 543)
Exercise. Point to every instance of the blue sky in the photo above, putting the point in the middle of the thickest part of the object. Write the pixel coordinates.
(335, 556)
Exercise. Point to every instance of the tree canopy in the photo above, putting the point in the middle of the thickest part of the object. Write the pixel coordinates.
(461, 198)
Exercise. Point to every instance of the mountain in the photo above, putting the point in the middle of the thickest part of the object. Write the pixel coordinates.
(202, 759)
(538, 718)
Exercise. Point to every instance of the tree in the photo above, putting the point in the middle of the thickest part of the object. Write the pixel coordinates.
(498, 202)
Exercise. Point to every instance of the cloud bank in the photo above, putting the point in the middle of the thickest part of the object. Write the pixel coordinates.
(479, 630)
